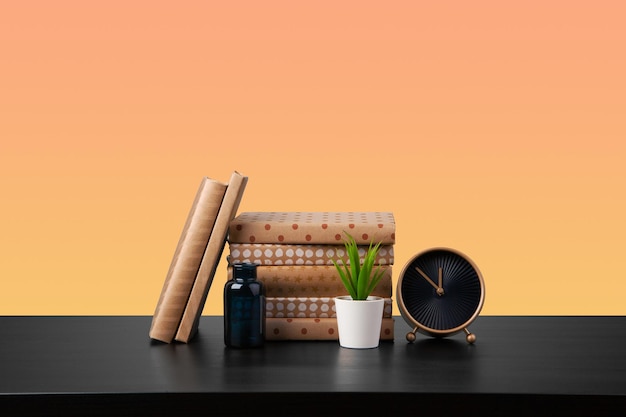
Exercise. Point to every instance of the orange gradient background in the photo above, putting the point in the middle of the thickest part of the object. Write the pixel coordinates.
(496, 128)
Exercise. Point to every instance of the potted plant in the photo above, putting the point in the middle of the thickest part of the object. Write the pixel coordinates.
(359, 314)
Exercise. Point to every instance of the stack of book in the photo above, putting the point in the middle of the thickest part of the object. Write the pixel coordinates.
(294, 253)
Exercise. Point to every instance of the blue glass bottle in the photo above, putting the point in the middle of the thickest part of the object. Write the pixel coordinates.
(244, 308)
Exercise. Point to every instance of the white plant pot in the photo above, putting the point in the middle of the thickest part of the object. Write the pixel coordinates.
(359, 322)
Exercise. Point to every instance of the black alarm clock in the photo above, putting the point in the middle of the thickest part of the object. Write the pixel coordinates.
(440, 292)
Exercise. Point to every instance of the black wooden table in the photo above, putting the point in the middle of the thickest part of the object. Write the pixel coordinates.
(107, 365)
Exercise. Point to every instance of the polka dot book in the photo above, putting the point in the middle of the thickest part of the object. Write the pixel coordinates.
(285, 329)
(290, 254)
(309, 307)
(313, 227)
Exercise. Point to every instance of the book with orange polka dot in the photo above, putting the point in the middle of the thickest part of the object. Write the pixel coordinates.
(313, 227)
(308, 328)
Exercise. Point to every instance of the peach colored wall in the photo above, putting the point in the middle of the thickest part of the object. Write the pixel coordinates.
(497, 128)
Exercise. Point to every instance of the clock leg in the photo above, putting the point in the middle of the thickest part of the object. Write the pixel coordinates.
(469, 337)
(410, 336)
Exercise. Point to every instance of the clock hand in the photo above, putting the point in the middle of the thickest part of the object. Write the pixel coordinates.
(440, 289)
(427, 278)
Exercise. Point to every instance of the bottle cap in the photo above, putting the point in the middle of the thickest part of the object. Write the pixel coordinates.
(244, 270)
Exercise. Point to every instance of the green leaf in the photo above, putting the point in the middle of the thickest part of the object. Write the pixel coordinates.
(353, 254)
(358, 277)
(346, 279)
(375, 279)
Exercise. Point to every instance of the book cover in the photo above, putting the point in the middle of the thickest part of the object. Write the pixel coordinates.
(186, 260)
(200, 289)
(292, 254)
(312, 307)
(313, 227)
(280, 329)
(311, 281)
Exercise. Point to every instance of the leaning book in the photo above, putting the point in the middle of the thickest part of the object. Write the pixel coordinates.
(189, 322)
(187, 259)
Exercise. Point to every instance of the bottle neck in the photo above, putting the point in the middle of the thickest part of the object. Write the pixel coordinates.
(244, 279)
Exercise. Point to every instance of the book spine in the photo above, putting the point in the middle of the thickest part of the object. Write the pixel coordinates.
(312, 307)
(311, 281)
(200, 289)
(186, 260)
(279, 329)
(299, 228)
(292, 254)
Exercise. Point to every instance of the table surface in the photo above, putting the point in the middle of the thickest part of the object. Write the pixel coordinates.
(519, 365)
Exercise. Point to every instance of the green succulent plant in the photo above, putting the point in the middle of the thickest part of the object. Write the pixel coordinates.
(360, 279)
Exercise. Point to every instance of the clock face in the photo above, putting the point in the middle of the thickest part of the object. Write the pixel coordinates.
(441, 291)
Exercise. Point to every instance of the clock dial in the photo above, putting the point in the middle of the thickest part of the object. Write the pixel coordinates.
(449, 304)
